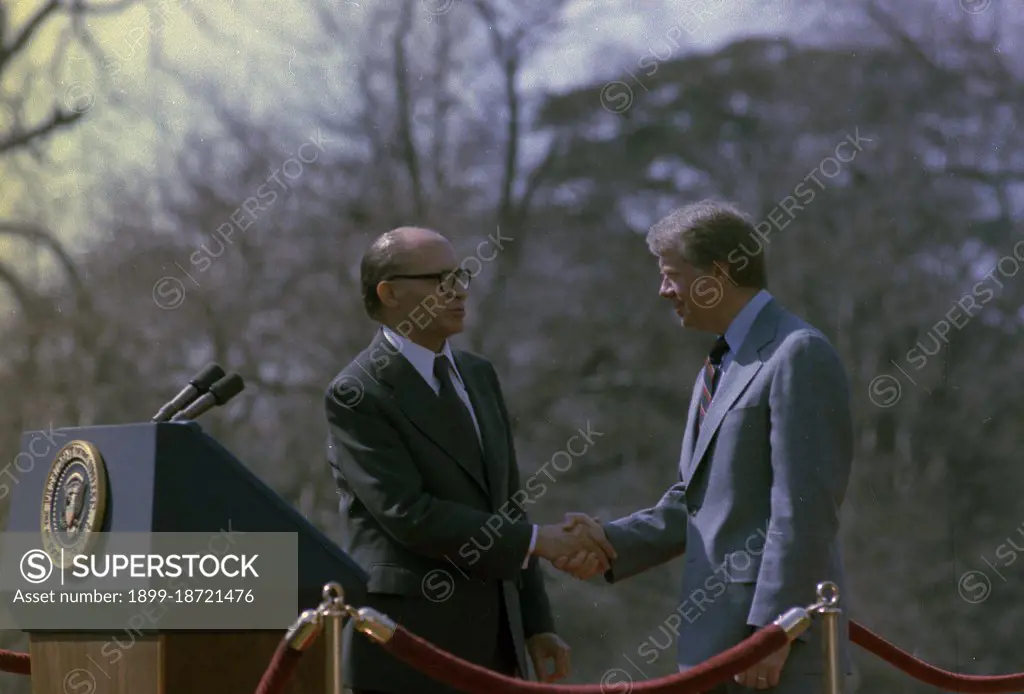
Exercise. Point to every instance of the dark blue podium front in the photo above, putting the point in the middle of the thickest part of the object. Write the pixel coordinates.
(173, 477)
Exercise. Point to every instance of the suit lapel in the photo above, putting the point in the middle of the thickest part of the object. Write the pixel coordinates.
(488, 418)
(690, 435)
(745, 365)
(734, 383)
(418, 402)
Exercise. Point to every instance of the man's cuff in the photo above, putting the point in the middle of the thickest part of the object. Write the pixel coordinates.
(533, 544)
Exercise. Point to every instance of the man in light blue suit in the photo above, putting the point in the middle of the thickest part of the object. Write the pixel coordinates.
(765, 459)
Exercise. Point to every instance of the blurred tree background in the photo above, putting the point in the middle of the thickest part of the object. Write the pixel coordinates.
(140, 142)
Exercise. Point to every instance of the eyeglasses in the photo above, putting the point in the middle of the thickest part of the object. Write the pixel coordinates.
(445, 280)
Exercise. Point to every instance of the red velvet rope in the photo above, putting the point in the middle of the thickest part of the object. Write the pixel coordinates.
(918, 669)
(471, 678)
(467, 677)
(15, 663)
(280, 670)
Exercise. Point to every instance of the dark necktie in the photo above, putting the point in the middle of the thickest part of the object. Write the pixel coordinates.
(456, 412)
(712, 371)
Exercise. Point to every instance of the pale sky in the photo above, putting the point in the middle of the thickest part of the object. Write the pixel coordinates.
(638, 26)
(600, 40)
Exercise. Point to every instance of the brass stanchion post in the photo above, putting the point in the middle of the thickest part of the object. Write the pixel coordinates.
(828, 598)
(334, 612)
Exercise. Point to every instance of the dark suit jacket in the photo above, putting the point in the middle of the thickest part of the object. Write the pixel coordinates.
(441, 548)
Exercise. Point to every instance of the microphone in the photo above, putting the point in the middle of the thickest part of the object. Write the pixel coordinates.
(220, 392)
(199, 384)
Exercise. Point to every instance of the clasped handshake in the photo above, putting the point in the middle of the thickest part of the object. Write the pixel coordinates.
(578, 546)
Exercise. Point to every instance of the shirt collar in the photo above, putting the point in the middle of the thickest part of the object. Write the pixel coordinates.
(744, 320)
(419, 356)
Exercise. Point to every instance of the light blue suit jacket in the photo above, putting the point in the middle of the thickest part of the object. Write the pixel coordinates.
(756, 508)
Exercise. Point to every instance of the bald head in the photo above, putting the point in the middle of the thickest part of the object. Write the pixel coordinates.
(405, 244)
(404, 250)
(412, 282)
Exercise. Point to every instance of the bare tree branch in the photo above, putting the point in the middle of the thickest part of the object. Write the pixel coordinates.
(77, 11)
(404, 107)
(82, 7)
(203, 23)
(42, 237)
(25, 297)
(28, 31)
(442, 103)
(989, 177)
(505, 51)
(58, 120)
(891, 26)
(538, 176)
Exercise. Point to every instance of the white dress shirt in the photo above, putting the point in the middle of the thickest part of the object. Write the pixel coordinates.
(422, 359)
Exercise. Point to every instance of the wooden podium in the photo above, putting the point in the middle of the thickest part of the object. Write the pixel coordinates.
(172, 477)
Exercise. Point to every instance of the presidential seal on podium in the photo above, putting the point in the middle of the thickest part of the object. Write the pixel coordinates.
(74, 502)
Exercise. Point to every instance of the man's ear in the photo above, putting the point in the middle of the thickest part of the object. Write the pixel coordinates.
(386, 294)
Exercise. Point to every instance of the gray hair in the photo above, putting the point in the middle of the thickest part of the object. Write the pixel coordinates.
(380, 261)
(710, 233)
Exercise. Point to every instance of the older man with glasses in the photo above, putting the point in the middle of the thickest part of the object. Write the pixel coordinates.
(421, 447)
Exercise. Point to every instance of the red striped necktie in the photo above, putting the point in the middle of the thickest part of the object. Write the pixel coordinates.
(712, 371)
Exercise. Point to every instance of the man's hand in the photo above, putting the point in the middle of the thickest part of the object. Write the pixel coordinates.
(766, 673)
(583, 565)
(593, 551)
(544, 648)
